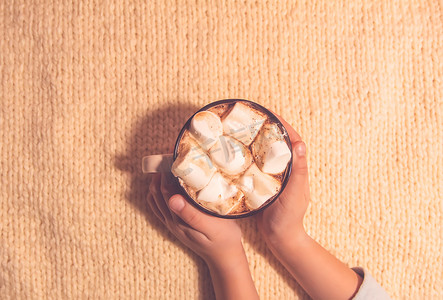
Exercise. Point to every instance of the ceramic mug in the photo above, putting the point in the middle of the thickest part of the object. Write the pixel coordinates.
(163, 162)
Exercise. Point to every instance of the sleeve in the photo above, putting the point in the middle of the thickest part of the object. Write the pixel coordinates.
(369, 289)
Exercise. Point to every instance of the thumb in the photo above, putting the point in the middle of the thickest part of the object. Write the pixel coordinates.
(188, 213)
(298, 181)
(299, 163)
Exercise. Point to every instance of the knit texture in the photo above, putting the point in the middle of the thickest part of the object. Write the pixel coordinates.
(87, 88)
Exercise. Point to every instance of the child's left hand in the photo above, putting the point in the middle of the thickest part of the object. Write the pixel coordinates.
(216, 240)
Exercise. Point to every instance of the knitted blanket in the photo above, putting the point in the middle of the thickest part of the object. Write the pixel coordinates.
(87, 88)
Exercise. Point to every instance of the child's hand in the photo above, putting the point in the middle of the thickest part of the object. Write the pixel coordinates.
(320, 274)
(283, 219)
(214, 239)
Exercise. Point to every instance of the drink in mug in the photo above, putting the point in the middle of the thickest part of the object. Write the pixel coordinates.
(232, 158)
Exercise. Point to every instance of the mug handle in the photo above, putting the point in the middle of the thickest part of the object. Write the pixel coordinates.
(157, 163)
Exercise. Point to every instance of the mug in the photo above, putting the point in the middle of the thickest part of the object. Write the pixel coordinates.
(163, 162)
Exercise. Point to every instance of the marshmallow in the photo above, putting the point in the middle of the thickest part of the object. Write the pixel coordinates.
(206, 127)
(243, 123)
(231, 156)
(270, 150)
(257, 186)
(219, 195)
(193, 166)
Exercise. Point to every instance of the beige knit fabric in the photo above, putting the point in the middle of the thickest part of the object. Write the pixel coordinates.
(89, 87)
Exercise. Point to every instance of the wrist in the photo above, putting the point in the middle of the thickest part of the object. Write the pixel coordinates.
(286, 237)
(291, 242)
(227, 260)
(231, 276)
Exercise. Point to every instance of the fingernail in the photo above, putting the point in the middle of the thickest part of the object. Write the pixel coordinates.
(177, 204)
(300, 149)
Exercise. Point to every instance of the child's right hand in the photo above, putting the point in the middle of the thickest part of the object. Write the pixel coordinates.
(283, 220)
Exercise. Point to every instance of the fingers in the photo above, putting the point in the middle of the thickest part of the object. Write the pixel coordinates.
(299, 163)
(189, 214)
(157, 195)
(167, 185)
(159, 190)
(168, 188)
(193, 235)
(298, 184)
(154, 208)
(293, 135)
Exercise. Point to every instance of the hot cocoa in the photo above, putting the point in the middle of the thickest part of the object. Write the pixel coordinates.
(232, 158)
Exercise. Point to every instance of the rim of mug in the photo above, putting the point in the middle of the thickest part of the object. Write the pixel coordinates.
(285, 177)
